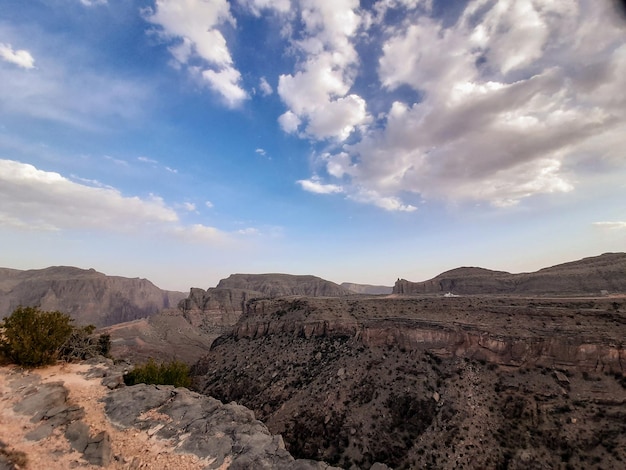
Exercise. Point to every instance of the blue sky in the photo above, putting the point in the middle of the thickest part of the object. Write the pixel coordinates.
(185, 140)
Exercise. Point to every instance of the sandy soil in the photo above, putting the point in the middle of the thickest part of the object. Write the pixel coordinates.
(133, 449)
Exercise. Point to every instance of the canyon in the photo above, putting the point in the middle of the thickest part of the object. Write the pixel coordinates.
(472, 369)
(431, 382)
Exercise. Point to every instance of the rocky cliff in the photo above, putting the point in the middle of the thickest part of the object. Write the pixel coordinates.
(589, 276)
(279, 285)
(88, 296)
(367, 288)
(431, 382)
(578, 333)
(82, 416)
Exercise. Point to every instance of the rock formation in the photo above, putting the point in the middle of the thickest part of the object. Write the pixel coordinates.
(433, 381)
(589, 276)
(54, 419)
(280, 285)
(367, 288)
(88, 296)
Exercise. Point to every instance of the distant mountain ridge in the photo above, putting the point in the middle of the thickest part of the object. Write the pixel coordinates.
(88, 296)
(593, 275)
(279, 285)
(367, 288)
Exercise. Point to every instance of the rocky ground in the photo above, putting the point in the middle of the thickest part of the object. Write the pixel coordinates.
(81, 416)
(480, 382)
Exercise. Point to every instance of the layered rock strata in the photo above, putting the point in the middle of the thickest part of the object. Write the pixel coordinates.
(87, 296)
(604, 274)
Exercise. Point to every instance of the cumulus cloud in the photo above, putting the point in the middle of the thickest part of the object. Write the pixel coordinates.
(43, 198)
(193, 28)
(611, 225)
(389, 203)
(318, 93)
(509, 101)
(38, 200)
(313, 185)
(256, 7)
(265, 87)
(21, 58)
(289, 122)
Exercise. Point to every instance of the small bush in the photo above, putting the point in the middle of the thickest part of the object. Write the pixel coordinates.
(83, 344)
(32, 338)
(174, 373)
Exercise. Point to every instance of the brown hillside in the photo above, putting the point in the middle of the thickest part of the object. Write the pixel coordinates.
(589, 276)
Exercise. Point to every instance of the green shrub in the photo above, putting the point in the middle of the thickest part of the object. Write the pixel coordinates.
(174, 373)
(32, 338)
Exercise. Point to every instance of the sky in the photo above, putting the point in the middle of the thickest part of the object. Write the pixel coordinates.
(186, 140)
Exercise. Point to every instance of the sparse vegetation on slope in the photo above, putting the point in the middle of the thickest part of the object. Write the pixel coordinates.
(353, 399)
(33, 338)
(174, 373)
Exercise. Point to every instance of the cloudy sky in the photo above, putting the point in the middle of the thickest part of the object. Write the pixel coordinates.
(185, 140)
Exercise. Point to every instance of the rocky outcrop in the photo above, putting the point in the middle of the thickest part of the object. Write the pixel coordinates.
(143, 426)
(280, 285)
(88, 296)
(505, 331)
(216, 306)
(227, 436)
(49, 406)
(367, 288)
(590, 276)
(428, 382)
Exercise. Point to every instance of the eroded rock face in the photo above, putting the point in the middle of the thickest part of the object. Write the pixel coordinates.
(216, 307)
(88, 296)
(367, 288)
(226, 435)
(589, 276)
(431, 382)
(508, 331)
(280, 285)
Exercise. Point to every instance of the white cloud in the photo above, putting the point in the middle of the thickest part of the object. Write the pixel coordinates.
(44, 198)
(199, 233)
(226, 83)
(147, 160)
(257, 6)
(313, 185)
(91, 3)
(189, 206)
(249, 231)
(388, 203)
(513, 100)
(265, 87)
(21, 58)
(318, 93)
(289, 122)
(260, 151)
(193, 26)
(37, 200)
(611, 225)
(209, 204)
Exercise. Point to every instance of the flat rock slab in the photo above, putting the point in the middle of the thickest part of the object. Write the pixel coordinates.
(221, 434)
(39, 399)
